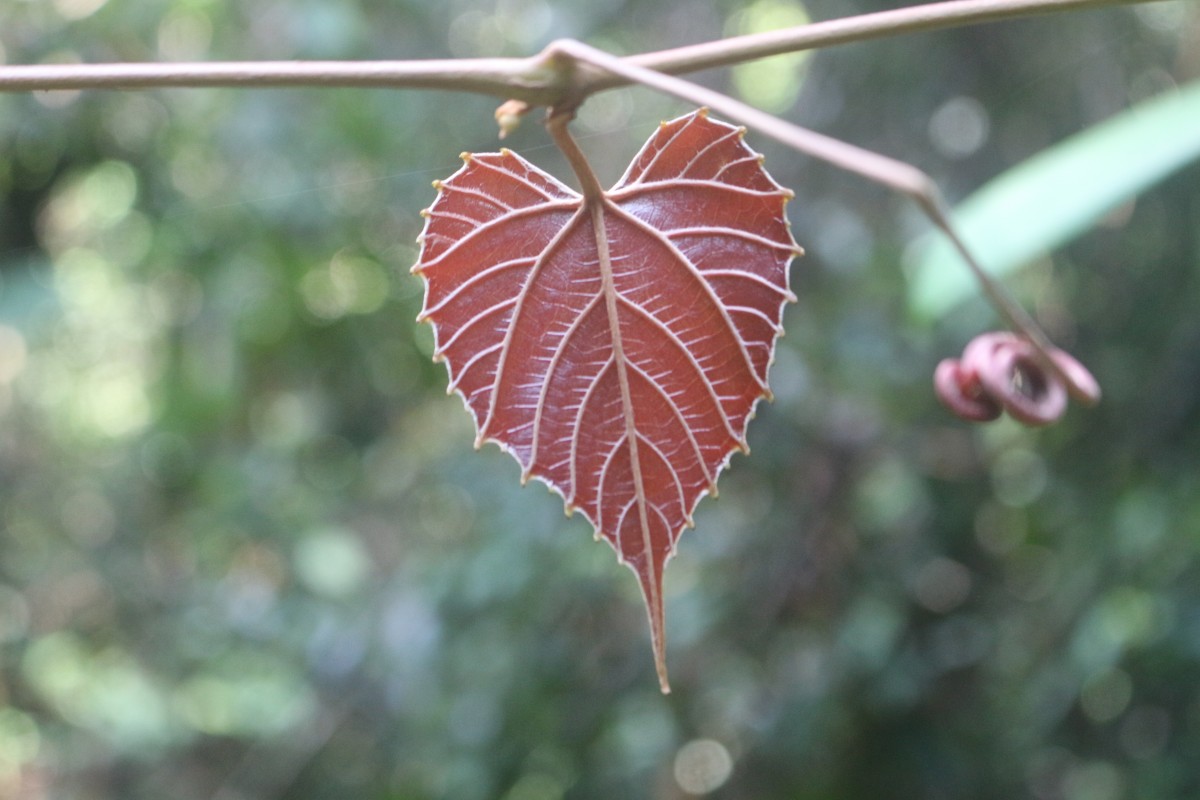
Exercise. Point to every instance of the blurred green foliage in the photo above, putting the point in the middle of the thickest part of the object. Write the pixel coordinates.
(247, 551)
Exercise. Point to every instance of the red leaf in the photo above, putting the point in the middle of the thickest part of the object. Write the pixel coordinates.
(617, 356)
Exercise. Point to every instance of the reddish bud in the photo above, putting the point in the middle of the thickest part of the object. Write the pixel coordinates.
(1017, 380)
(1004, 372)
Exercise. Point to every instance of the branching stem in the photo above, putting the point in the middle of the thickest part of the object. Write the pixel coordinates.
(534, 80)
(896, 175)
(567, 72)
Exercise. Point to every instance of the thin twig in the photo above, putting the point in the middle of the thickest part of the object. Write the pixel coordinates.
(912, 19)
(502, 77)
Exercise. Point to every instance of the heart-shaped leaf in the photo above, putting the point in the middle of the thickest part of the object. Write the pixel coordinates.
(616, 346)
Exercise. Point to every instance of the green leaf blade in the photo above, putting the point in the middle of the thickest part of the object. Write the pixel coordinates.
(1052, 197)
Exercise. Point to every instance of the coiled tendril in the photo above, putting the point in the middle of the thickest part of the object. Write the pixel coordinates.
(1003, 372)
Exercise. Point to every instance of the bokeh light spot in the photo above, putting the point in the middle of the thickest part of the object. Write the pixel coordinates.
(88, 203)
(73, 10)
(19, 741)
(14, 614)
(942, 584)
(184, 35)
(772, 84)
(702, 766)
(1019, 477)
(346, 285)
(959, 127)
(1105, 695)
(331, 562)
(1093, 780)
(12, 353)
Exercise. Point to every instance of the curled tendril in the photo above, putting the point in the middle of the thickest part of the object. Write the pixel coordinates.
(1003, 372)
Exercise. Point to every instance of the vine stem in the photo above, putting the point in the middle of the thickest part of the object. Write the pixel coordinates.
(503, 77)
(567, 72)
(912, 19)
(896, 175)
(533, 80)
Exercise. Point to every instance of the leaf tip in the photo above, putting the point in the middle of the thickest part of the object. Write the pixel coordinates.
(466, 156)
(437, 184)
(658, 638)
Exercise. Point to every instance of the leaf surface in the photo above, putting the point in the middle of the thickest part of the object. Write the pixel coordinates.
(616, 347)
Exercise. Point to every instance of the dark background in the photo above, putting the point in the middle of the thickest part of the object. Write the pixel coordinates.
(247, 550)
